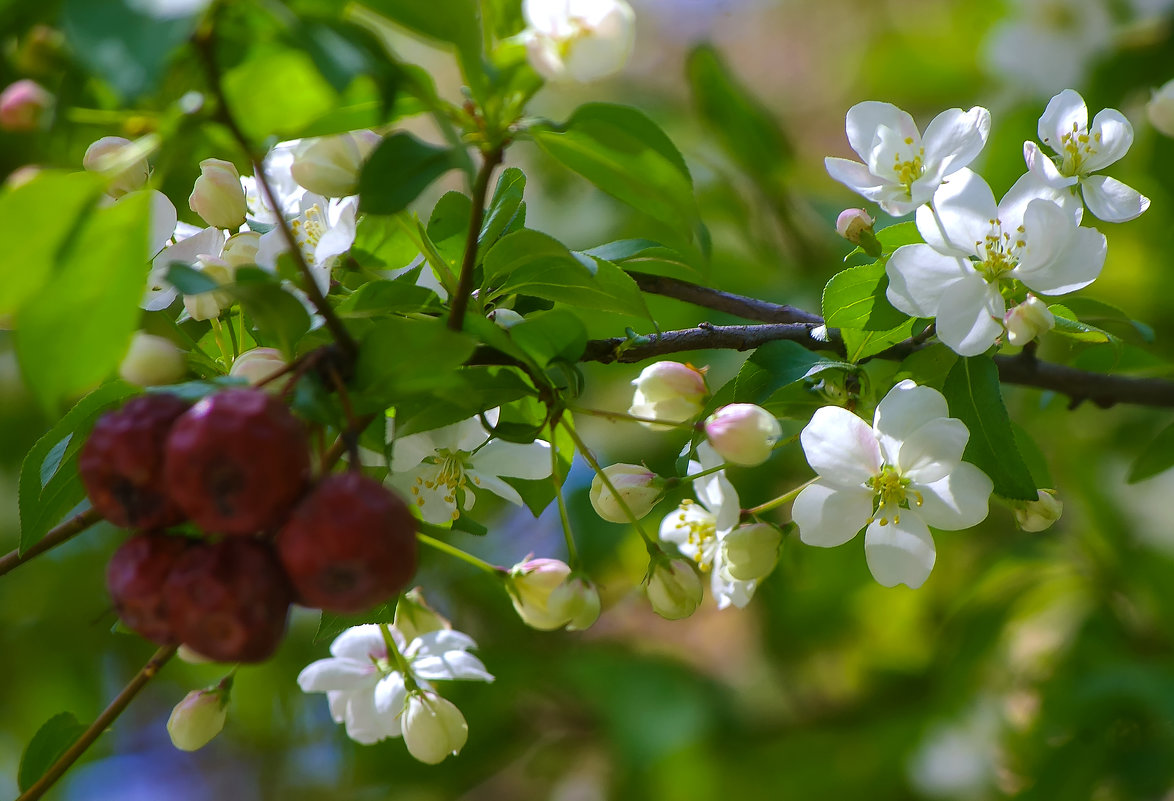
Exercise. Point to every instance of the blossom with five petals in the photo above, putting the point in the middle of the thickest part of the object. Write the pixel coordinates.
(902, 168)
(442, 467)
(898, 476)
(364, 686)
(1082, 149)
(700, 529)
(975, 249)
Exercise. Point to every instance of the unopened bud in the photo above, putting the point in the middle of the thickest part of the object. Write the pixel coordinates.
(109, 157)
(674, 588)
(505, 318)
(433, 727)
(330, 165)
(743, 433)
(152, 360)
(1040, 514)
(21, 176)
(856, 226)
(668, 391)
(207, 305)
(577, 600)
(413, 616)
(24, 106)
(752, 551)
(1160, 109)
(530, 585)
(241, 249)
(258, 365)
(638, 487)
(198, 718)
(218, 196)
(1028, 320)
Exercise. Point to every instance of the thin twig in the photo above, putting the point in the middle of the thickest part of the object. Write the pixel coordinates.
(56, 536)
(460, 300)
(108, 716)
(203, 44)
(738, 305)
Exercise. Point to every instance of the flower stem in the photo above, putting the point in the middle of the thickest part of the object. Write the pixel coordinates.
(460, 300)
(628, 417)
(56, 536)
(225, 353)
(782, 499)
(572, 551)
(401, 663)
(649, 543)
(108, 716)
(452, 550)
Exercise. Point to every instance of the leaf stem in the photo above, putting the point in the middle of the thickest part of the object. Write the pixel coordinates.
(786, 497)
(56, 536)
(452, 550)
(108, 716)
(568, 534)
(460, 300)
(624, 416)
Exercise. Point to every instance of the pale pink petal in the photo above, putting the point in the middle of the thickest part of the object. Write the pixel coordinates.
(856, 177)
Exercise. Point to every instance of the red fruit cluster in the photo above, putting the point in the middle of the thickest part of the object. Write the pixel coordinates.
(237, 463)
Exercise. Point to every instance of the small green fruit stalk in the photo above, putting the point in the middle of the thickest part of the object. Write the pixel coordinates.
(199, 717)
(674, 587)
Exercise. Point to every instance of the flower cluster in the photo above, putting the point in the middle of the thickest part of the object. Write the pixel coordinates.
(980, 258)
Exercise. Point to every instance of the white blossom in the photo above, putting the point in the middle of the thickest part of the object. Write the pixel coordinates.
(583, 40)
(898, 476)
(1082, 149)
(364, 686)
(974, 249)
(1044, 45)
(441, 468)
(901, 168)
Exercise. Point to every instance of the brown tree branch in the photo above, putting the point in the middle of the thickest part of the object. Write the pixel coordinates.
(738, 305)
(56, 536)
(460, 300)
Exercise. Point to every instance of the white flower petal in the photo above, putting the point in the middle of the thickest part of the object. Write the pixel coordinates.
(841, 447)
(677, 526)
(856, 177)
(954, 138)
(933, 450)
(900, 553)
(1112, 136)
(1029, 187)
(828, 516)
(335, 674)
(1065, 112)
(906, 408)
(864, 119)
(1043, 168)
(919, 274)
(409, 451)
(1112, 201)
(451, 665)
(970, 316)
(363, 725)
(437, 642)
(1075, 267)
(964, 206)
(493, 484)
(731, 592)
(361, 643)
(957, 501)
(389, 695)
(719, 496)
(513, 459)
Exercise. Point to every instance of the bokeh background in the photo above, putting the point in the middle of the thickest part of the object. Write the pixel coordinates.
(1030, 666)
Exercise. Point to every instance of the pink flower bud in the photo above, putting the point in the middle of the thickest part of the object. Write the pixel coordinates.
(218, 196)
(433, 727)
(853, 223)
(112, 157)
(152, 360)
(24, 106)
(637, 486)
(530, 585)
(258, 364)
(1028, 320)
(1040, 514)
(743, 433)
(668, 391)
(674, 588)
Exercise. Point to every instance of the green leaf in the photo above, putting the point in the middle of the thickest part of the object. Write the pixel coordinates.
(472, 390)
(76, 330)
(862, 344)
(774, 366)
(383, 243)
(1158, 457)
(402, 356)
(855, 298)
(646, 256)
(503, 208)
(1101, 313)
(448, 228)
(1067, 325)
(555, 334)
(49, 487)
(122, 43)
(531, 263)
(929, 366)
(382, 298)
(189, 280)
(52, 740)
(331, 625)
(627, 155)
(975, 397)
(399, 170)
(744, 126)
(456, 22)
(36, 221)
(277, 93)
(280, 318)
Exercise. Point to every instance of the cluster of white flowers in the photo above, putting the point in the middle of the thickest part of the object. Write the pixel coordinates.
(979, 256)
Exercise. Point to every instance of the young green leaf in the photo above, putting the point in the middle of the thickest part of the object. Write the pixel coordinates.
(776, 365)
(855, 298)
(399, 170)
(54, 737)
